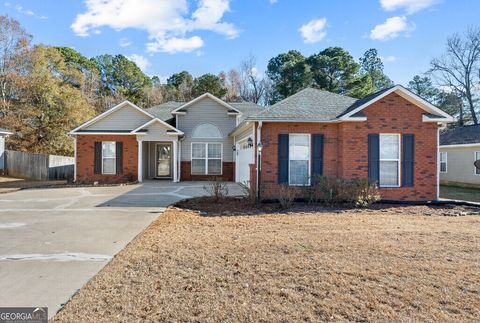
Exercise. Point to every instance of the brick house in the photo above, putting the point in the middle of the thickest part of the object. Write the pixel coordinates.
(389, 137)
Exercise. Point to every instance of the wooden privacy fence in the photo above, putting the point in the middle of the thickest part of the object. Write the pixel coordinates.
(38, 166)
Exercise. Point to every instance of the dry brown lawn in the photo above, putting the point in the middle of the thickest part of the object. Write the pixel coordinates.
(354, 266)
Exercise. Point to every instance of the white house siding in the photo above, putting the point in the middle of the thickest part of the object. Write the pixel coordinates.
(206, 111)
(125, 118)
(2, 153)
(460, 168)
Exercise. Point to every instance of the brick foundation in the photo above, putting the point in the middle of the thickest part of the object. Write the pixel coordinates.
(85, 159)
(228, 173)
(346, 147)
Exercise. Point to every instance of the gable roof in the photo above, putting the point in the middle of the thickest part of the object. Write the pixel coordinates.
(307, 105)
(108, 112)
(205, 95)
(171, 129)
(460, 135)
(313, 105)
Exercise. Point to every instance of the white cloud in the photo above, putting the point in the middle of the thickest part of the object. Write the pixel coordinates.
(411, 6)
(24, 11)
(388, 59)
(314, 30)
(273, 1)
(141, 61)
(391, 28)
(124, 42)
(167, 22)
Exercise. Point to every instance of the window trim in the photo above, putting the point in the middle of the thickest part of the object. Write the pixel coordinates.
(206, 144)
(446, 162)
(309, 161)
(474, 159)
(114, 158)
(399, 160)
(203, 137)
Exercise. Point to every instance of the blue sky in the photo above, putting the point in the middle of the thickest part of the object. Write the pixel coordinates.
(168, 36)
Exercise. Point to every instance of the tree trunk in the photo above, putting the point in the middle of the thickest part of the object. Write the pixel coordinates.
(471, 106)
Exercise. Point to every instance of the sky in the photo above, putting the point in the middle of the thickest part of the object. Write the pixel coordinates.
(208, 36)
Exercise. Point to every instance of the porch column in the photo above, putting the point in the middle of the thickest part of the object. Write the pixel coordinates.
(140, 159)
(175, 163)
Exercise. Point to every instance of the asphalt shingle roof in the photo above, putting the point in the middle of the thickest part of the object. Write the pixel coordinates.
(362, 101)
(308, 104)
(461, 135)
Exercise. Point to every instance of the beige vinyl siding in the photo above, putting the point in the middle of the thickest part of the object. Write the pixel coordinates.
(460, 168)
(206, 111)
(125, 118)
(156, 132)
(245, 133)
(2, 152)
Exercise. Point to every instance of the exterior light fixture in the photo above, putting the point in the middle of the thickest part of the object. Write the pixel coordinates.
(250, 142)
(259, 147)
(234, 148)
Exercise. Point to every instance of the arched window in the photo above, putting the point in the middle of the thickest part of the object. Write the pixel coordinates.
(206, 130)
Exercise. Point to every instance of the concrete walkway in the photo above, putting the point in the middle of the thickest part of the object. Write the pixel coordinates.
(52, 241)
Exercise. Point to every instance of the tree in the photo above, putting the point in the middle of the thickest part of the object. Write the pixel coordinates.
(14, 51)
(333, 70)
(181, 84)
(423, 87)
(372, 65)
(47, 107)
(452, 104)
(290, 73)
(459, 67)
(208, 83)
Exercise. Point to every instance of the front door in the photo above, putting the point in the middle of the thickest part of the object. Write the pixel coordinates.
(164, 160)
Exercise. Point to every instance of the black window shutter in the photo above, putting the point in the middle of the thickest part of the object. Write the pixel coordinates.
(373, 158)
(119, 157)
(283, 148)
(408, 159)
(97, 159)
(317, 155)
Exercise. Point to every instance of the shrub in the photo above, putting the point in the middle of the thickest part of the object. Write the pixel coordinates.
(249, 191)
(286, 196)
(365, 193)
(217, 188)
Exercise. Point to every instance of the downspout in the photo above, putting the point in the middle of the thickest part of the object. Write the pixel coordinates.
(259, 140)
(438, 162)
(74, 158)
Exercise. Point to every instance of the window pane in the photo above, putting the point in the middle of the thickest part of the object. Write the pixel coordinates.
(214, 151)
(443, 157)
(299, 147)
(198, 151)
(477, 157)
(298, 172)
(109, 165)
(108, 149)
(389, 148)
(214, 166)
(443, 167)
(206, 130)
(388, 173)
(198, 166)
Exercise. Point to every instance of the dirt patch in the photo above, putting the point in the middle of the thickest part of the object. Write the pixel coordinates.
(374, 265)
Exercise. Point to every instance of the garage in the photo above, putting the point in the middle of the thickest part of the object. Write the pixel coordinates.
(244, 157)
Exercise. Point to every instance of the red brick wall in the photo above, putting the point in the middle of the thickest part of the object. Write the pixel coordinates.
(346, 147)
(228, 172)
(86, 154)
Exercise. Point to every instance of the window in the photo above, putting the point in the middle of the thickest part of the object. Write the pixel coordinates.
(389, 160)
(299, 159)
(108, 157)
(206, 159)
(206, 130)
(477, 157)
(443, 162)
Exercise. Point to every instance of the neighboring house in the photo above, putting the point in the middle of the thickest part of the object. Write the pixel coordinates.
(3, 134)
(459, 149)
(390, 137)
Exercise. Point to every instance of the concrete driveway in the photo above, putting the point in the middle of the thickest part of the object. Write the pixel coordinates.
(52, 241)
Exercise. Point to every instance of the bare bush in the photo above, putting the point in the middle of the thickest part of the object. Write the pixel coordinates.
(217, 188)
(286, 196)
(249, 191)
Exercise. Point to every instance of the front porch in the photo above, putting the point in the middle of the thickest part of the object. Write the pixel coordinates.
(158, 160)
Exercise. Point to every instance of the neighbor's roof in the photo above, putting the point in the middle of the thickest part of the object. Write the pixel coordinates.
(164, 110)
(461, 135)
(308, 104)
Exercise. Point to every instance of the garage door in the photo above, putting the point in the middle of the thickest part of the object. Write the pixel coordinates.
(244, 159)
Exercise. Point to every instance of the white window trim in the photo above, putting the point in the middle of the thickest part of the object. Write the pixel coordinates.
(207, 123)
(398, 160)
(446, 162)
(474, 159)
(309, 161)
(206, 157)
(114, 158)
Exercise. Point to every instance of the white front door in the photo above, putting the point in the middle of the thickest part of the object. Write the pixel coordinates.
(243, 161)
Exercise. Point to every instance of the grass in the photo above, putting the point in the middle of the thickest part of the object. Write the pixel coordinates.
(369, 265)
(460, 193)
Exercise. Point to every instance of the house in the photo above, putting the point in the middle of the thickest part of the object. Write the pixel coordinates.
(390, 137)
(459, 149)
(3, 134)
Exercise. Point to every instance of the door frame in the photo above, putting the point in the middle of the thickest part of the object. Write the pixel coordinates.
(238, 144)
(157, 144)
